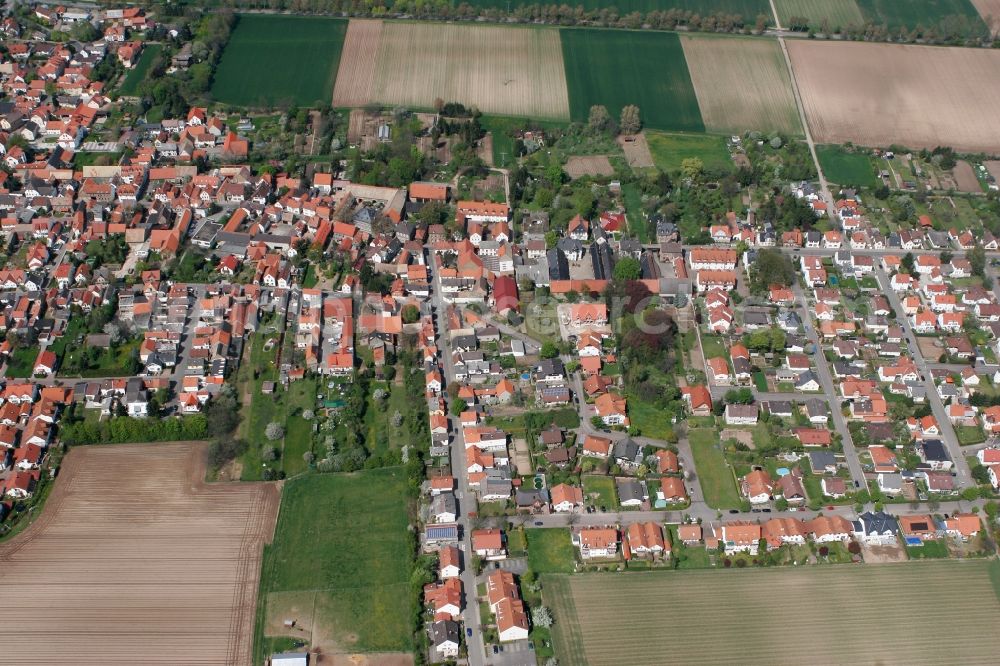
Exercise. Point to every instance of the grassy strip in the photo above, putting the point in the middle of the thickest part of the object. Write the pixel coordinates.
(714, 473)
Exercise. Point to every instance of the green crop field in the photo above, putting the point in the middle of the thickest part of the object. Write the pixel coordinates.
(913, 13)
(702, 616)
(837, 13)
(670, 150)
(618, 67)
(844, 168)
(130, 86)
(341, 561)
(748, 9)
(273, 60)
(893, 13)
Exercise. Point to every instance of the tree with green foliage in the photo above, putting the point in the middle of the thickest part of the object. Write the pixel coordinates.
(907, 263)
(765, 340)
(549, 350)
(977, 257)
(743, 396)
(628, 268)
(771, 267)
(692, 168)
(410, 314)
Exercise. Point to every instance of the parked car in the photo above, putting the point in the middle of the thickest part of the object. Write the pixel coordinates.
(538, 523)
(495, 649)
(468, 632)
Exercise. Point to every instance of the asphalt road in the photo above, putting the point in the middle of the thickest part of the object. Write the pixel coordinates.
(948, 436)
(829, 389)
(464, 496)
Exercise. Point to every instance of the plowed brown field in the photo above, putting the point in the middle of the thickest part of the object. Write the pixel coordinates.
(357, 63)
(741, 84)
(136, 560)
(916, 96)
(990, 11)
(501, 70)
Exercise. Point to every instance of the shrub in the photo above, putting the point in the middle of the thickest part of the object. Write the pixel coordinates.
(224, 450)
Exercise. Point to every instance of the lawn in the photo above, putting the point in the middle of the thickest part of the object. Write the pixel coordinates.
(341, 547)
(301, 396)
(650, 419)
(604, 488)
(618, 67)
(262, 409)
(670, 150)
(846, 168)
(712, 470)
(915, 13)
(503, 128)
(135, 76)
(81, 361)
(619, 618)
(82, 159)
(688, 557)
(21, 362)
(517, 542)
(272, 60)
(550, 550)
(713, 346)
(931, 550)
(638, 225)
(969, 435)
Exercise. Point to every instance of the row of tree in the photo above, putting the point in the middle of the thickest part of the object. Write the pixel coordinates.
(559, 14)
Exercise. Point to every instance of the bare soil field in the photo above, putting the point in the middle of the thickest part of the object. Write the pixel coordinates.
(990, 11)
(136, 560)
(578, 166)
(916, 96)
(930, 347)
(637, 151)
(993, 166)
(883, 554)
(714, 616)
(357, 63)
(741, 84)
(506, 71)
(965, 177)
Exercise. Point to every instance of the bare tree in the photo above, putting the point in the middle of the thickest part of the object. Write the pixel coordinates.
(630, 121)
(599, 119)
